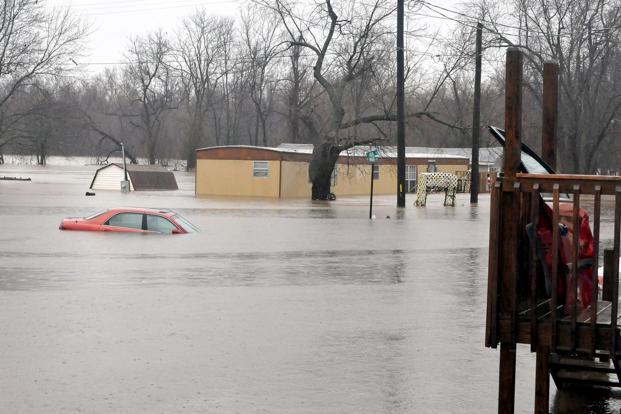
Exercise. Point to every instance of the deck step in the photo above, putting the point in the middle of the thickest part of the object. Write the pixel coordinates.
(583, 372)
(573, 364)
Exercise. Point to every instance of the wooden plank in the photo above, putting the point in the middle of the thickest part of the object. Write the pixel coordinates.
(586, 315)
(564, 340)
(554, 276)
(542, 381)
(566, 182)
(541, 308)
(609, 258)
(615, 279)
(542, 312)
(534, 219)
(548, 314)
(491, 325)
(574, 265)
(596, 222)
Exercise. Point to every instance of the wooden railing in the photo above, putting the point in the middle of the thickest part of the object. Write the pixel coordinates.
(516, 311)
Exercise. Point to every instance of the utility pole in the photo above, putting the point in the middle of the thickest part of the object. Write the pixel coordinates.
(125, 183)
(371, 192)
(124, 163)
(476, 121)
(400, 108)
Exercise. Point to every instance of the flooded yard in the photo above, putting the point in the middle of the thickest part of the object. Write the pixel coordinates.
(277, 306)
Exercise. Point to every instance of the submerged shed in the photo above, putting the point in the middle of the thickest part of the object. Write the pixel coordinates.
(141, 178)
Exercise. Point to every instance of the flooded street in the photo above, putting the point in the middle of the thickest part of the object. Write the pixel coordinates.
(282, 306)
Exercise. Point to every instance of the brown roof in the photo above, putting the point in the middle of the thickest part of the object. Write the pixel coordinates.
(150, 177)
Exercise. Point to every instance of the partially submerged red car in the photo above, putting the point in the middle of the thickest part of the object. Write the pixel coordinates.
(131, 220)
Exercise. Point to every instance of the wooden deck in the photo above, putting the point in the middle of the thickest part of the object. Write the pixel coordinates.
(581, 342)
(573, 346)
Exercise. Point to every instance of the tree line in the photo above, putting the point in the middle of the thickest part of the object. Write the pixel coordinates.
(307, 72)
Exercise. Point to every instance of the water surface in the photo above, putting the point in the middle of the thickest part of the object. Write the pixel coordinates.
(283, 306)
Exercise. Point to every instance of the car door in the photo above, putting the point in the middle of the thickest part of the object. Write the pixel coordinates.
(125, 223)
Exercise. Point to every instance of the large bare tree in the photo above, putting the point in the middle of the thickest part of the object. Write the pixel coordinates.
(34, 43)
(583, 37)
(200, 50)
(262, 45)
(151, 86)
(344, 42)
(350, 43)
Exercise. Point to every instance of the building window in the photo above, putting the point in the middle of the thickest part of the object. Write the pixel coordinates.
(431, 166)
(260, 169)
(375, 172)
(410, 178)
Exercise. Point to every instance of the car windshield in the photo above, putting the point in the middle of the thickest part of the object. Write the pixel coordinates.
(532, 166)
(189, 227)
(92, 216)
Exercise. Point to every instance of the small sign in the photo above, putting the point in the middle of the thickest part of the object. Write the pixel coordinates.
(372, 155)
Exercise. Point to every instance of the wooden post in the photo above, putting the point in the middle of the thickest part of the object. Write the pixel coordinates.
(550, 113)
(542, 381)
(510, 233)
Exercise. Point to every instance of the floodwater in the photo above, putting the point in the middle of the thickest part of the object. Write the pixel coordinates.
(283, 306)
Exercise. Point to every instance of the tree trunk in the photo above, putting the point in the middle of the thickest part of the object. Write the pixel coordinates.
(195, 136)
(320, 169)
(41, 154)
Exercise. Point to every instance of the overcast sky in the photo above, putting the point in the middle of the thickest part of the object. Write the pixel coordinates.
(114, 21)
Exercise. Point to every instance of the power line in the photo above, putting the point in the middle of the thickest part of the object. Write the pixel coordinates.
(473, 20)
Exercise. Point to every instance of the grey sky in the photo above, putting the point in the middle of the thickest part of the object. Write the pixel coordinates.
(115, 21)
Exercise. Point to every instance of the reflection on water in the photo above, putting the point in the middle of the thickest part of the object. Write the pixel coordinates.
(125, 269)
(276, 306)
(580, 400)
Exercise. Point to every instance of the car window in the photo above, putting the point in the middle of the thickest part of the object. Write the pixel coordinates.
(159, 224)
(92, 216)
(532, 166)
(129, 220)
(189, 227)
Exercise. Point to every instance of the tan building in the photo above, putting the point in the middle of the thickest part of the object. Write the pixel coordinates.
(282, 172)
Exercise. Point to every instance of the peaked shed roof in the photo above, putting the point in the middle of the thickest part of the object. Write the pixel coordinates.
(145, 177)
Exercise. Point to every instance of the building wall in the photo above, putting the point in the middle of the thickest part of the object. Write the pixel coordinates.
(109, 178)
(354, 179)
(219, 175)
(234, 178)
(294, 180)
(351, 179)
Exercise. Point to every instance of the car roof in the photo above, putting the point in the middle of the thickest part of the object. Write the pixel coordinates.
(157, 211)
